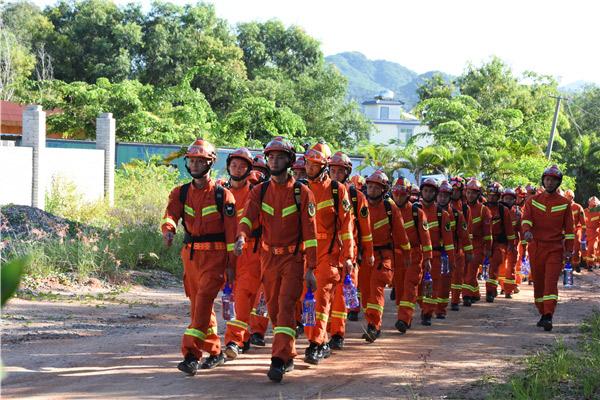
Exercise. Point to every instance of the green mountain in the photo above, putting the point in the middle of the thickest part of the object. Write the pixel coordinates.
(366, 78)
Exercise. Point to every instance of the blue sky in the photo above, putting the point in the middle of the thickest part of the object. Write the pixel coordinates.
(558, 38)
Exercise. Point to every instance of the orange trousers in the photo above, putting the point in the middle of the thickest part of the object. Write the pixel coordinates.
(258, 323)
(577, 247)
(458, 274)
(247, 283)
(470, 284)
(497, 259)
(547, 263)
(429, 304)
(337, 320)
(203, 277)
(328, 279)
(377, 278)
(282, 281)
(592, 255)
(508, 271)
(406, 282)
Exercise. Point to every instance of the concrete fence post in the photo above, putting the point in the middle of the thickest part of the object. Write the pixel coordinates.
(34, 135)
(105, 140)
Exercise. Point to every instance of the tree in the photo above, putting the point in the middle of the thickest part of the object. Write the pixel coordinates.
(435, 87)
(16, 63)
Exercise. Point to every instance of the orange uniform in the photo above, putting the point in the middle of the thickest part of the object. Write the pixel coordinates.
(205, 254)
(549, 218)
(364, 251)
(406, 280)
(285, 229)
(440, 231)
(462, 239)
(335, 244)
(503, 233)
(481, 239)
(592, 233)
(579, 227)
(388, 235)
(507, 274)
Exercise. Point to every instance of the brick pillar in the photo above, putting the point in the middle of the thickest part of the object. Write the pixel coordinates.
(34, 135)
(105, 140)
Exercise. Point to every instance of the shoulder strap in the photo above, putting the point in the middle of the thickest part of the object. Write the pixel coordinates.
(335, 186)
(263, 189)
(388, 211)
(415, 214)
(456, 222)
(219, 198)
(354, 201)
(297, 200)
(465, 210)
(183, 192)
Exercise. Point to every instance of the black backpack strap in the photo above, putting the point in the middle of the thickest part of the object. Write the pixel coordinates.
(335, 188)
(219, 198)
(354, 201)
(415, 215)
(465, 210)
(297, 200)
(455, 226)
(387, 203)
(257, 233)
(440, 212)
(183, 192)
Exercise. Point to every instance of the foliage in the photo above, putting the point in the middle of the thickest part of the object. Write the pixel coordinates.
(10, 277)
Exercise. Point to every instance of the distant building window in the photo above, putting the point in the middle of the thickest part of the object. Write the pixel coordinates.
(404, 134)
(384, 113)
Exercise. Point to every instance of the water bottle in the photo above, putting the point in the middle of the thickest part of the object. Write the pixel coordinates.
(583, 242)
(427, 285)
(568, 275)
(525, 267)
(227, 302)
(261, 307)
(308, 309)
(445, 263)
(485, 269)
(350, 293)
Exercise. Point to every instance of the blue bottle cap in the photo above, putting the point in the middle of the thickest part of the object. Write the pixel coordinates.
(427, 276)
(227, 289)
(347, 279)
(309, 295)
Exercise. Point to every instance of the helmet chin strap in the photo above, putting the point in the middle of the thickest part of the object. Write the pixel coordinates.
(240, 178)
(312, 178)
(375, 198)
(201, 174)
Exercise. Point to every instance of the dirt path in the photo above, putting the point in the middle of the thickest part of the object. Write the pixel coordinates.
(127, 346)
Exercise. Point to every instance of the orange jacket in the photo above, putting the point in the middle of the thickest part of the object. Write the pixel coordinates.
(441, 236)
(418, 234)
(592, 221)
(481, 225)
(200, 214)
(362, 219)
(278, 216)
(516, 215)
(497, 229)
(578, 216)
(327, 218)
(383, 233)
(460, 230)
(549, 218)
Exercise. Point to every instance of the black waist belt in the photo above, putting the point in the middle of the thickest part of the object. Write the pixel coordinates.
(209, 238)
(438, 248)
(383, 247)
(256, 233)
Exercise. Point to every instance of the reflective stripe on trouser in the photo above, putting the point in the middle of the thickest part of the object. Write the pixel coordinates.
(470, 284)
(202, 285)
(592, 243)
(498, 254)
(430, 304)
(410, 285)
(328, 277)
(258, 323)
(337, 318)
(245, 289)
(458, 272)
(381, 275)
(510, 263)
(546, 261)
(282, 281)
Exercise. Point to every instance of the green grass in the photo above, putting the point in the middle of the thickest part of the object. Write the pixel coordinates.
(559, 371)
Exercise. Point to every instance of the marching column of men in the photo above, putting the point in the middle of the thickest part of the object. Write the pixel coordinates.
(282, 225)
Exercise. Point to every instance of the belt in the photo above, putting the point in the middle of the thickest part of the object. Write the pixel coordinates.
(383, 247)
(279, 250)
(207, 246)
(321, 236)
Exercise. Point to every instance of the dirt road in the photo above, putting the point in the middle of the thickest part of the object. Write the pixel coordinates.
(127, 346)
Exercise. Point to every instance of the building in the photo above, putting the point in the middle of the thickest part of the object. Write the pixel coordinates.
(390, 120)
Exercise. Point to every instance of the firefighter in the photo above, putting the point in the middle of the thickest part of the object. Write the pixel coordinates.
(503, 236)
(414, 194)
(548, 228)
(509, 282)
(522, 248)
(592, 233)
(335, 246)
(481, 238)
(340, 168)
(285, 211)
(208, 217)
(237, 336)
(299, 168)
(259, 164)
(406, 280)
(463, 251)
(579, 227)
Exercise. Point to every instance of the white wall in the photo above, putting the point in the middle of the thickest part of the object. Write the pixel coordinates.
(83, 167)
(384, 133)
(15, 175)
(371, 111)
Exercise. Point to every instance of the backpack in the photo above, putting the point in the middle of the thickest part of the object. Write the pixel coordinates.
(354, 200)
(501, 238)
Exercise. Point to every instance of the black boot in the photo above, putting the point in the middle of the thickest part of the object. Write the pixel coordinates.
(507, 296)
(401, 326)
(277, 369)
(371, 334)
(299, 329)
(547, 323)
(257, 339)
(189, 365)
(324, 351)
(454, 307)
(232, 350)
(289, 366)
(336, 342)
(489, 298)
(311, 354)
(467, 301)
(393, 294)
(426, 320)
(213, 361)
(352, 315)
(540, 323)
(440, 316)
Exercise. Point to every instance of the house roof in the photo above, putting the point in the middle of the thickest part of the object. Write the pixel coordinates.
(382, 102)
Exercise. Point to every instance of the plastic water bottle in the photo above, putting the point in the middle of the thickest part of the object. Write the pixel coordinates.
(525, 267)
(227, 302)
(584, 242)
(485, 269)
(261, 307)
(445, 263)
(427, 285)
(308, 309)
(568, 275)
(350, 293)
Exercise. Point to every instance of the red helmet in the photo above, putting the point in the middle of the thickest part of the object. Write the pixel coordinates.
(379, 177)
(242, 153)
(569, 194)
(300, 163)
(256, 177)
(457, 182)
(474, 184)
(323, 148)
(401, 186)
(202, 149)
(509, 192)
(358, 181)
(414, 190)
(445, 187)
(530, 189)
(315, 156)
(281, 144)
(553, 171)
(259, 162)
(520, 191)
(430, 182)
(495, 187)
(341, 160)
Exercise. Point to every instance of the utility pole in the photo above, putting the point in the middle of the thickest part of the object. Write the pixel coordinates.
(553, 130)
